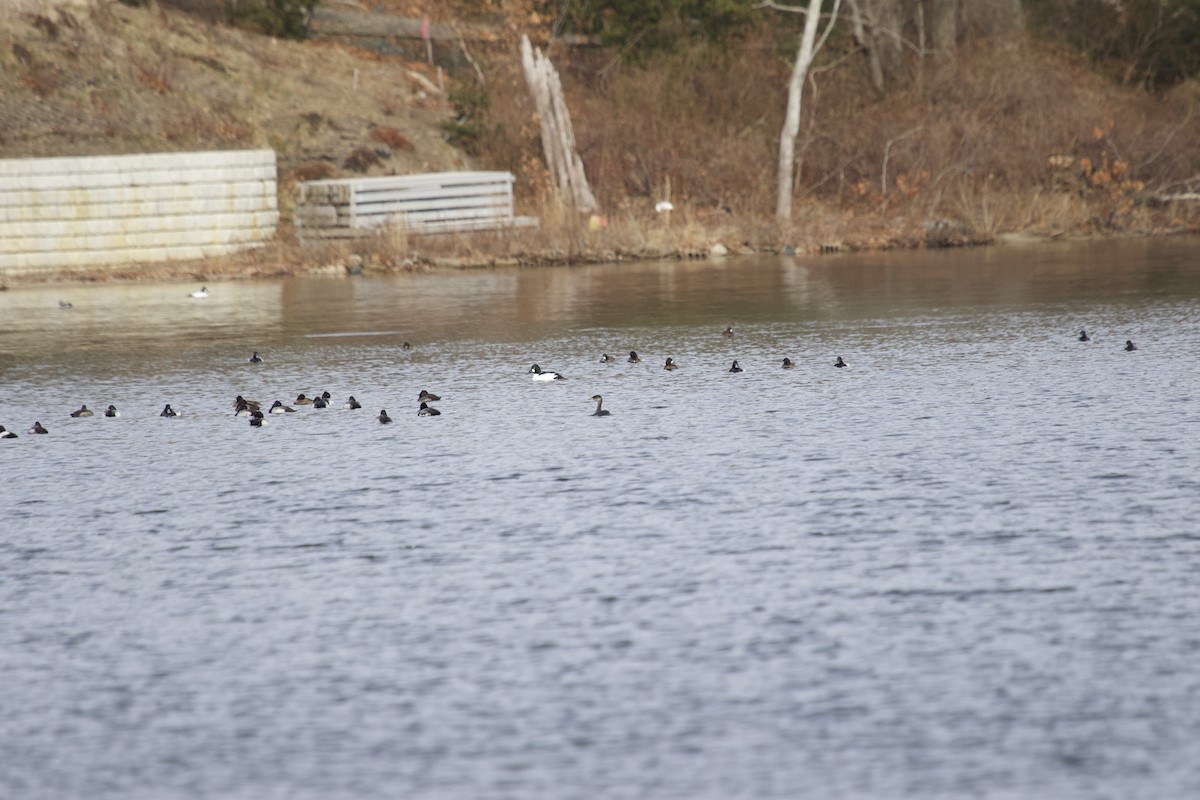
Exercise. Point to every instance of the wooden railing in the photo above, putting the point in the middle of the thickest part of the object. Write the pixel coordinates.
(436, 202)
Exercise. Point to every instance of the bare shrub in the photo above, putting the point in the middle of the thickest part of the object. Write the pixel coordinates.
(392, 138)
(361, 160)
(310, 171)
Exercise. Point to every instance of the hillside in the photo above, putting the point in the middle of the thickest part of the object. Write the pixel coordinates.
(1013, 139)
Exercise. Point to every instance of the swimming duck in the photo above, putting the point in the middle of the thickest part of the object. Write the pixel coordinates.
(600, 412)
(37, 428)
(301, 400)
(1083, 337)
(539, 375)
(669, 365)
(727, 332)
(383, 417)
(427, 410)
(257, 420)
(633, 358)
(279, 408)
(426, 397)
(735, 367)
(169, 412)
(111, 411)
(256, 358)
(6, 434)
(200, 294)
(840, 363)
(320, 402)
(83, 411)
(406, 346)
(64, 304)
(1130, 346)
(352, 404)
(607, 359)
(787, 364)
(244, 408)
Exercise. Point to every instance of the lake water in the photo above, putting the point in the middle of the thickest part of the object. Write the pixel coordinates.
(964, 566)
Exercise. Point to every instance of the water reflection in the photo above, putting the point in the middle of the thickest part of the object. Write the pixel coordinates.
(524, 303)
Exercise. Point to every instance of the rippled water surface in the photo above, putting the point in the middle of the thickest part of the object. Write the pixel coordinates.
(964, 566)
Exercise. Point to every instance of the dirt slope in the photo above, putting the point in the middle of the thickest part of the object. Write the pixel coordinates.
(91, 78)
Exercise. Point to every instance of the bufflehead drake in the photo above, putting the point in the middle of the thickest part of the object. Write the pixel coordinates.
(669, 365)
(37, 428)
(256, 358)
(352, 404)
(200, 294)
(727, 332)
(111, 411)
(736, 367)
(1130, 346)
(599, 412)
(83, 411)
(427, 410)
(840, 363)
(607, 359)
(539, 375)
(6, 434)
(1083, 337)
(383, 417)
(257, 420)
(301, 400)
(426, 397)
(633, 358)
(279, 408)
(787, 364)
(169, 412)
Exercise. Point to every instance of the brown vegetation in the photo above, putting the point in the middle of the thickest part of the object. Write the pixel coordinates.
(978, 143)
(1013, 138)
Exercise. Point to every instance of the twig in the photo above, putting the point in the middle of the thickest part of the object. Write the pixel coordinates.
(887, 153)
(462, 44)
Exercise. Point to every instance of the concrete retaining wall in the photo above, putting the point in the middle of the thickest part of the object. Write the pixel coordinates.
(57, 213)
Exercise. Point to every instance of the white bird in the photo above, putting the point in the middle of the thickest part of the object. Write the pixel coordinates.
(663, 205)
(200, 294)
(539, 375)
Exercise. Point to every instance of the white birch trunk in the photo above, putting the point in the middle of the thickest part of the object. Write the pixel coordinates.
(791, 119)
(558, 137)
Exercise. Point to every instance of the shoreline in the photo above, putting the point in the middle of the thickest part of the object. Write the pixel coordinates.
(282, 260)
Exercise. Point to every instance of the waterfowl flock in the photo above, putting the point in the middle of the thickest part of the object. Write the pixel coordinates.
(258, 418)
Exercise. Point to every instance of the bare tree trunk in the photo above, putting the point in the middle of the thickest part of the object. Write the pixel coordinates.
(809, 46)
(888, 33)
(942, 18)
(994, 19)
(558, 137)
(868, 47)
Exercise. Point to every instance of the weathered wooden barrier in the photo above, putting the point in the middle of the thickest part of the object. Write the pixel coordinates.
(435, 202)
(58, 213)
